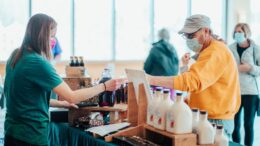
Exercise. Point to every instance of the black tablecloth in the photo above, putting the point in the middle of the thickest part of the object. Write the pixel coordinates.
(61, 134)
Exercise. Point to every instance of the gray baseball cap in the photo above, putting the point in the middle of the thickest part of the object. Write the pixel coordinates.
(194, 23)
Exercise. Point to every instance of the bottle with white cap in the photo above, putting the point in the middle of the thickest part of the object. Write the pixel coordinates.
(162, 109)
(205, 129)
(179, 117)
(195, 120)
(157, 105)
(220, 138)
(152, 105)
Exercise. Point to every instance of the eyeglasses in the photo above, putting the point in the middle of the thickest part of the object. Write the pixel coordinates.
(190, 35)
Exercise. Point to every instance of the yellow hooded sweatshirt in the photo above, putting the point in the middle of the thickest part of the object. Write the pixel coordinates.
(213, 82)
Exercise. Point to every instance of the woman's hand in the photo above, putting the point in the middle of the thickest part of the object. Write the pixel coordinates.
(244, 67)
(185, 59)
(114, 84)
(66, 104)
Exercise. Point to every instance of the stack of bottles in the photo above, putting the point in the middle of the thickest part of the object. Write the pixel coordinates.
(208, 133)
(76, 61)
(177, 118)
(109, 98)
(164, 114)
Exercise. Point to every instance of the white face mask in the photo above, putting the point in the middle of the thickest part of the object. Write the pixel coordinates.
(194, 45)
(240, 37)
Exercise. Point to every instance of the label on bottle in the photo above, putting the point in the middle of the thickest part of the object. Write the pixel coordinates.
(172, 124)
(150, 114)
(151, 118)
(159, 117)
(171, 119)
(160, 121)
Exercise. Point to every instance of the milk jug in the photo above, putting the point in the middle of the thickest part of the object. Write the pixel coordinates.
(220, 138)
(162, 109)
(179, 117)
(205, 129)
(152, 105)
(214, 127)
(157, 103)
(195, 120)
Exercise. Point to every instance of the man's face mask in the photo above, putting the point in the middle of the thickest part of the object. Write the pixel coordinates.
(192, 42)
(194, 45)
(239, 37)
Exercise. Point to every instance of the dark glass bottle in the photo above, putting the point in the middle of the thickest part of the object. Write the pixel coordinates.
(126, 93)
(77, 61)
(106, 98)
(81, 63)
(120, 95)
(72, 63)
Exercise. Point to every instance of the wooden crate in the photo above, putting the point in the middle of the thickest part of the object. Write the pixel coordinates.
(77, 82)
(78, 71)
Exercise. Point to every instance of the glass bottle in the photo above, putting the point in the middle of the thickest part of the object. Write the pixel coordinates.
(106, 98)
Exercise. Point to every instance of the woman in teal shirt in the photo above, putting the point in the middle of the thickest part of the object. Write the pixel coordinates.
(29, 77)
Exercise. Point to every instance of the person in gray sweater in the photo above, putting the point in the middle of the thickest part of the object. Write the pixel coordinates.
(247, 56)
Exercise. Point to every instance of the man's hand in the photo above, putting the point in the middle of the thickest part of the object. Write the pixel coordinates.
(185, 59)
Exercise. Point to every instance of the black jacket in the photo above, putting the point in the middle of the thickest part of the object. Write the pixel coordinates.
(162, 60)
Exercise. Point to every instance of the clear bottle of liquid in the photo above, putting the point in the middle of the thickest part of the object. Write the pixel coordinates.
(195, 120)
(205, 129)
(106, 98)
(220, 138)
(163, 108)
(156, 105)
(179, 117)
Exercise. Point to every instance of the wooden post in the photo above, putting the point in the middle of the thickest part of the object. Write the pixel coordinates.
(132, 110)
(142, 105)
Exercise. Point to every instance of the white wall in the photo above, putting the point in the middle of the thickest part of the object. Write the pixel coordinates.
(238, 11)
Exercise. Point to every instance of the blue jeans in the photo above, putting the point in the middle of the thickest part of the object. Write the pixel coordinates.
(250, 104)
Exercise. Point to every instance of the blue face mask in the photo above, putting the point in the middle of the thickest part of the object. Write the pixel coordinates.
(239, 37)
(194, 45)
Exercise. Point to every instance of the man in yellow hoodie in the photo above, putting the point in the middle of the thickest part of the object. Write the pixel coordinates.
(212, 80)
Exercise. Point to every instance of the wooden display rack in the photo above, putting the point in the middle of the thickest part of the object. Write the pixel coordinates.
(137, 110)
(116, 113)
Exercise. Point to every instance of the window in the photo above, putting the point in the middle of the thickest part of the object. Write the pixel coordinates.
(111, 29)
(60, 10)
(93, 29)
(167, 15)
(13, 20)
(132, 29)
(255, 20)
(215, 9)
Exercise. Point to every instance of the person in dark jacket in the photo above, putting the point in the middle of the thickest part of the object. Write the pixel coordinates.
(162, 59)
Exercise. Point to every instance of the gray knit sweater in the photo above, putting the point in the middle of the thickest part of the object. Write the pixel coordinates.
(247, 80)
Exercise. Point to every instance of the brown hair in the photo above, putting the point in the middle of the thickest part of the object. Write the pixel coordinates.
(37, 37)
(245, 28)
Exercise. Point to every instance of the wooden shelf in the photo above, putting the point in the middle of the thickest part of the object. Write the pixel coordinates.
(117, 112)
(167, 134)
(115, 108)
